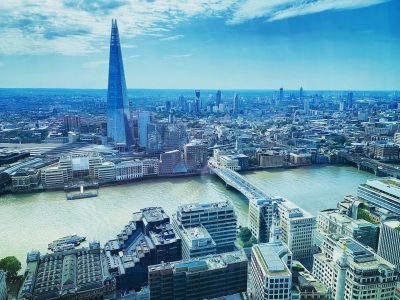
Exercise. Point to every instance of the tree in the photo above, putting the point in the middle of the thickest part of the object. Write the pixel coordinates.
(244, 234)
(11, 265)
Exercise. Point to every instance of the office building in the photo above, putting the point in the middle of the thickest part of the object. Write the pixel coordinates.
(54, 177)
(25, 179)
(271, 265)
(3, 286)
(128, 170)
(261, 213)
(72, 123)
(298, 228)
(209, 277)
(105, 172)
(386, 151)
(195, 155)
(197, 102)
(236, 103)
(280, 94)
(71, 274)
(171, 163)
(196, 242)
(331, 221)
(144, 119)
(270, 159)
(118, 115)
(381, 193)
(218, 218)
(146, 240)
(352, 271)
(218, 98)
(389, 242)
(163, 137)
(150, 166)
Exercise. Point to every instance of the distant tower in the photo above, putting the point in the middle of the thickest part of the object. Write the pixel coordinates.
(341, 279)
(280, 94)
(350, 100)
(306, 106)
(235, 103)
(218, 98)
(168, 106)
(301, 92)
(197, 101)
(118, 114)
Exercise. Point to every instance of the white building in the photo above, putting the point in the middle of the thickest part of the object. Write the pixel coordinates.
(226, 161)
(54, 177)
(389, 242)
(218, 218)
(270, 269)
(298, 228)
(196, 242)
(128, 170)
(105, 172)
(352, 271)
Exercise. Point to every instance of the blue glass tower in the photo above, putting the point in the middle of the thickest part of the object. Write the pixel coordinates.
(119, 129)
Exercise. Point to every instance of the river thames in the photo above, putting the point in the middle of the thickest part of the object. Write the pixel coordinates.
(31, 221)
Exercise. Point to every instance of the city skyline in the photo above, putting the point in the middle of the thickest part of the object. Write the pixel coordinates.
(320, 45)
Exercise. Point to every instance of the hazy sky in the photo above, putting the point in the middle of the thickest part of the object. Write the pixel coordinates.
(224, 44)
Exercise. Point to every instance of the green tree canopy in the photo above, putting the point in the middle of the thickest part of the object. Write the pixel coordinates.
(11, 265)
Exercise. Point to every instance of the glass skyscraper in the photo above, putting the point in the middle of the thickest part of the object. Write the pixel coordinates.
(119, 129)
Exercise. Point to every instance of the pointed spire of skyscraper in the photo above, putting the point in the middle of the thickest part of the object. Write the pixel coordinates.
(118, 114)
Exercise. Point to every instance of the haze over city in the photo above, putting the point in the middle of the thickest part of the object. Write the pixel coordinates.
(194, 44)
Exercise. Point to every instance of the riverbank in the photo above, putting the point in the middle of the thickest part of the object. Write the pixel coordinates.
(31, 221)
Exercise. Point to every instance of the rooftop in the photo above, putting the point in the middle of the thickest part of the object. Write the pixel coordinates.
(210, 262)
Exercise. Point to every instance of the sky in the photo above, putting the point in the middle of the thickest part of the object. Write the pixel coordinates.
(203, 44)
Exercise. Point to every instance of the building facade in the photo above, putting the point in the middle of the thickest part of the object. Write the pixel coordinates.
(389, 242)
(118, 115)
(210, 277)
(218, 218)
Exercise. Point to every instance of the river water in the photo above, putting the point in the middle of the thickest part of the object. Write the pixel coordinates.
(31, 221)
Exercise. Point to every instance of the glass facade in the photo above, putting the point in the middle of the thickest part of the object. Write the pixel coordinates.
(118, 115)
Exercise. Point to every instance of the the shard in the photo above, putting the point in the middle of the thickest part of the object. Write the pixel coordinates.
(118, 115)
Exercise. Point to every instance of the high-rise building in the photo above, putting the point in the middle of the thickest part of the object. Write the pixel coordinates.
(306, 103)
(271, 265)
(197, 101)
(209, 277)
(280, 94)
(236, 103)
(383, 193)
(171, 162)
(118, 115)
(301, 93)
(350, 100)
(352, 271)
(72, 123)
(163, 137)
(389, 242)
(218, 218)
(143, 120)
(298, 228)
(218, 98)
(261, 212)
(195, 154)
